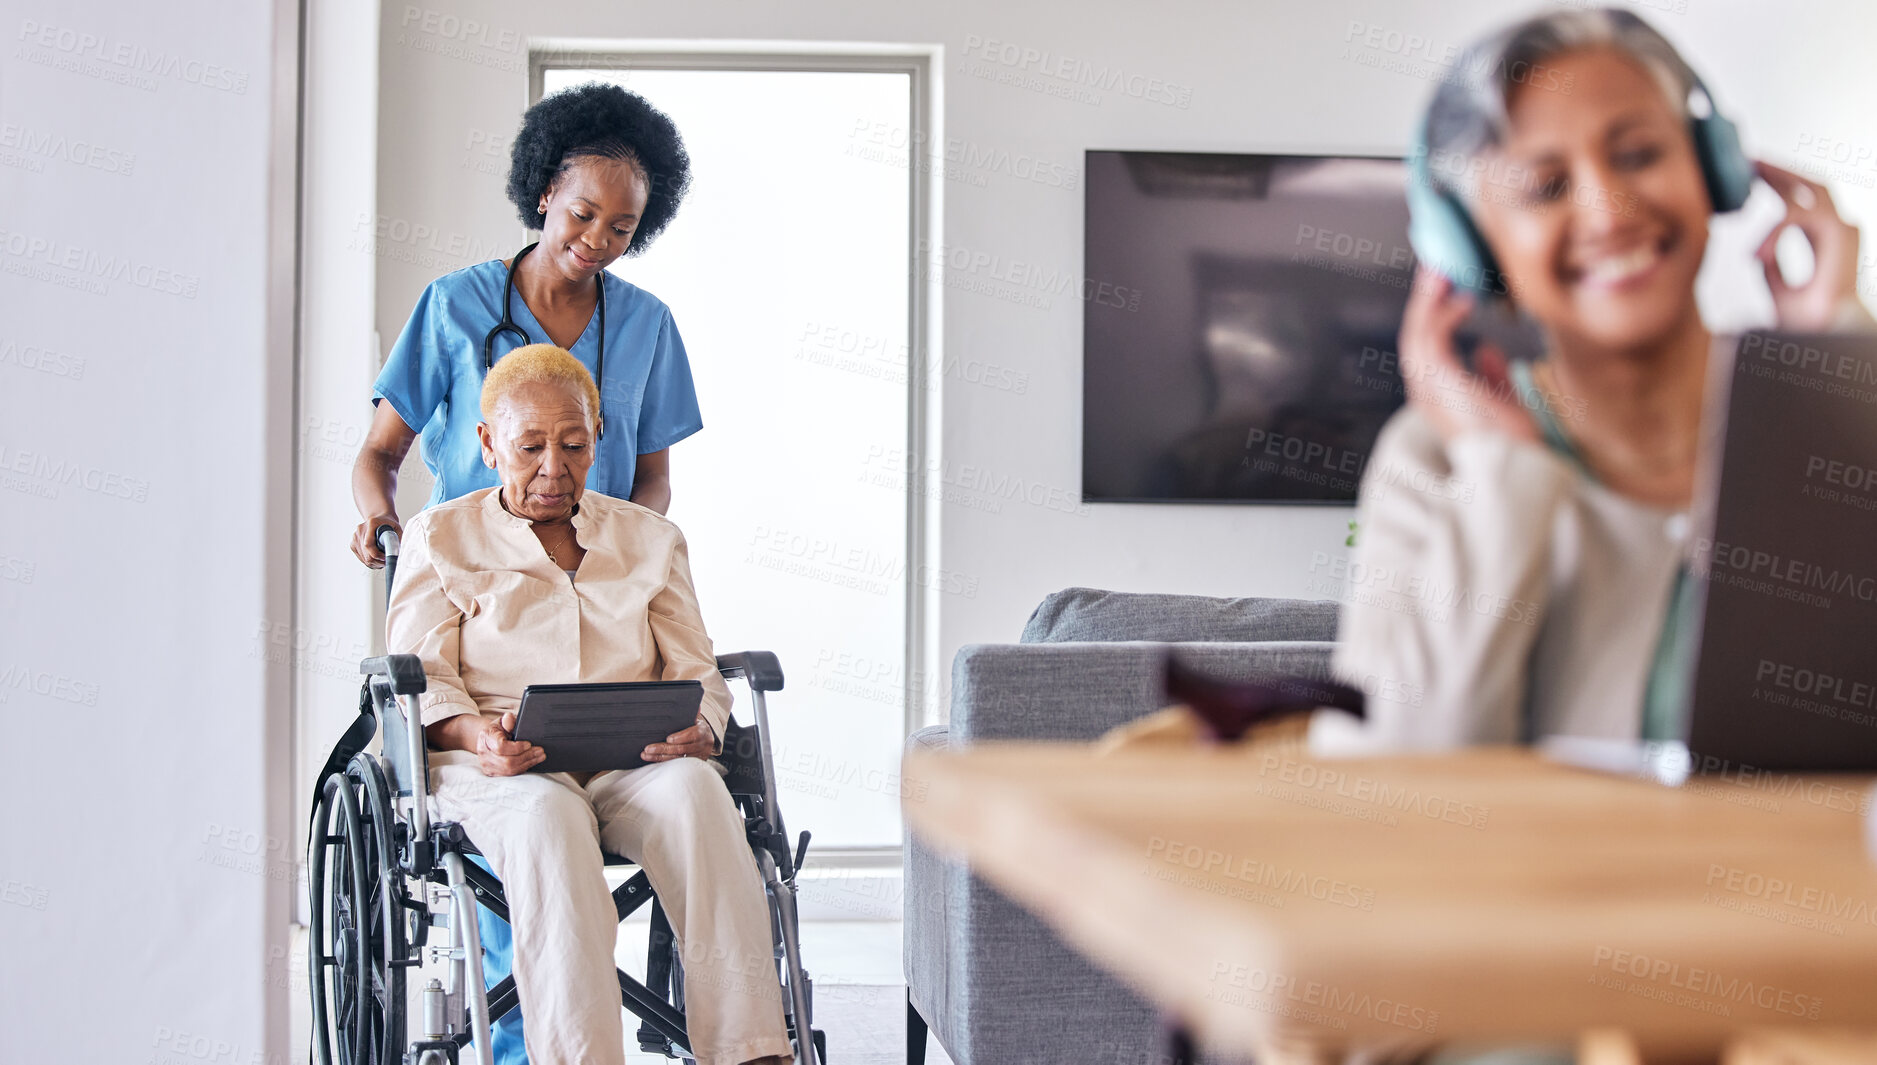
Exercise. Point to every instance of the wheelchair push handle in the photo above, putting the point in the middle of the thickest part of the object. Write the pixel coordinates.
(404, 672)
(386, 537)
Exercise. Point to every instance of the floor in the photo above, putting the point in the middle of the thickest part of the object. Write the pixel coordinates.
(860, 993)
(860, 990)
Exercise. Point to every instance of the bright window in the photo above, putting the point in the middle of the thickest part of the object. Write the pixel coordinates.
(786, 270)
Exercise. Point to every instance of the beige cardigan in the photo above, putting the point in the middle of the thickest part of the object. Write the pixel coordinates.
(1496, 594)
(479, 600)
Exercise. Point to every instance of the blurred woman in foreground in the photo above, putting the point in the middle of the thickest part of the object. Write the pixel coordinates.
(1539, 586)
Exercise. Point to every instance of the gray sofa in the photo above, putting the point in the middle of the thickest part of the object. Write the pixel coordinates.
(991, 980)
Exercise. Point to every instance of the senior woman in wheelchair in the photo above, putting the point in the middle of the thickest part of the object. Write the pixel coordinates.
(539, 581)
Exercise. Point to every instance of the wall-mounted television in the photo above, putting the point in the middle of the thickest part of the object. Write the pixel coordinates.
(1257, 363)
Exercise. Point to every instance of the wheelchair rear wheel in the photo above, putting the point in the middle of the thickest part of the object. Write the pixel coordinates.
(356, 942)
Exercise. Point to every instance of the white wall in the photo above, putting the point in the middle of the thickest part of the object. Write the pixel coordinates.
(145, 475)
(337, 606)
(1263, 76)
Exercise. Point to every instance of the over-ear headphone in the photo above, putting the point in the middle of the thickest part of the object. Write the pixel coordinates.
(1446, 240)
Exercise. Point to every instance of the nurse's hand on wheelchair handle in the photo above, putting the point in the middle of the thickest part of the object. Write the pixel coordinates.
(501, 756)
(365, 542)
(698, 741)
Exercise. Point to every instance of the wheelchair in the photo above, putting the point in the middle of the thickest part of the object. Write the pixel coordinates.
(382, 873)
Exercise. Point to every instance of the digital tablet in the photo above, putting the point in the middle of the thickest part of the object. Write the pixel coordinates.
(596, 727)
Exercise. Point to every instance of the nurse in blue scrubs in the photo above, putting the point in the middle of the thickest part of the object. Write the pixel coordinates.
(599, 172)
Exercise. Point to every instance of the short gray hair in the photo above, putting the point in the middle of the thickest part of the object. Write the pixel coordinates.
(1468, 114)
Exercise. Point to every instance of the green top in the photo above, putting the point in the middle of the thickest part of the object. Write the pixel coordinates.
(1665, 697)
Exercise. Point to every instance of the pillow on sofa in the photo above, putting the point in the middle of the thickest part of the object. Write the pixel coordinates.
(1092, 615)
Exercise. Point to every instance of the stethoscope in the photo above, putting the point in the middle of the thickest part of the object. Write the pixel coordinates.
(507, 325)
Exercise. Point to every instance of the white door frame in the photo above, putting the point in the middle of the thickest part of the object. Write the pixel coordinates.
(923, 64)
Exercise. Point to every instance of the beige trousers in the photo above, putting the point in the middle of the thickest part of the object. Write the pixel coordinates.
(542, 833)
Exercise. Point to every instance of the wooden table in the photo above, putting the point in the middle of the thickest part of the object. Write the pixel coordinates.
(1294, 908)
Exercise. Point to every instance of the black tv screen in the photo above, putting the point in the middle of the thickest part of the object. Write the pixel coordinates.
(1255, 359)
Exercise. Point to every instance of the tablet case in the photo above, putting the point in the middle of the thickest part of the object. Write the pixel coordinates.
(596, 727)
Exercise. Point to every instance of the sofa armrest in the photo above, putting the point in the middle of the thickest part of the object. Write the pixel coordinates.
(931, 902)
(929, 738)
(1077, 691)
(987, 975)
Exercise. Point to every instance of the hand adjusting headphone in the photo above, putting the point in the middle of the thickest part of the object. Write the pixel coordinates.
(1445, 239)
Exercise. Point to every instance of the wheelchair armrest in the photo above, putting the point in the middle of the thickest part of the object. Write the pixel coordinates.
(406, 672)
(759, 668)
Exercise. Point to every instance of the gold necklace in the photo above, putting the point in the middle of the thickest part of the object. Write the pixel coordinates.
(552, 555)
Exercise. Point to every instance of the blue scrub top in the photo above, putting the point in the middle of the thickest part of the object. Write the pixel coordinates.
(433, 377)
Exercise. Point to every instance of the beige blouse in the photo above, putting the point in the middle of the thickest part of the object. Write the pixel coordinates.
(478, 599)
(1499, 595)
(1495, 595)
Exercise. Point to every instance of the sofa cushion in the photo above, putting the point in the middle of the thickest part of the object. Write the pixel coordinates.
(1093, 615)
(1074, 692)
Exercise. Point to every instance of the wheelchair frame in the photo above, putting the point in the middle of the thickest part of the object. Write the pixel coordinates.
(371, 818)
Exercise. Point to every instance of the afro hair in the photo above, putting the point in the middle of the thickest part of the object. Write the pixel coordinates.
(606, 121)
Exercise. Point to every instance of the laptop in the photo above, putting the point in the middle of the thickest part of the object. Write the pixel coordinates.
(1783, 675)
(1784, 522)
